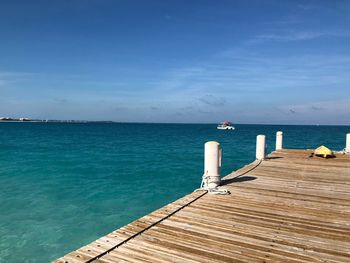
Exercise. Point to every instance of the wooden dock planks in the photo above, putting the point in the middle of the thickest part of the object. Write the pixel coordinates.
(289, 208)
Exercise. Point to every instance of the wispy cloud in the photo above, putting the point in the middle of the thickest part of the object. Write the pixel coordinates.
(342, 105)
(212, 100)
(120, 108)
(243, 73)
(62, 101)
(8, 75)
(230, 81)
(306, 7)
(296, 36)
(331, 111)
(2, 82)
(7, 78)
(316, 108)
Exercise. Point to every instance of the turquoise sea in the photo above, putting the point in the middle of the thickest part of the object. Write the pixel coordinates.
(64, 185)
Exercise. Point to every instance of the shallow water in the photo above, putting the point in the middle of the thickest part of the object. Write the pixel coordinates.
(64, 185)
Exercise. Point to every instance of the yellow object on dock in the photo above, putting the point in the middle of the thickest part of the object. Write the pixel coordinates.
(324, 152)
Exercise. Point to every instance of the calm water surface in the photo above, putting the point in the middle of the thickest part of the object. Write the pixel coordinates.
(65, 185)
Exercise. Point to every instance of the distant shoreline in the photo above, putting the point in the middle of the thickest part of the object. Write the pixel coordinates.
(160, 123)
(56, 121)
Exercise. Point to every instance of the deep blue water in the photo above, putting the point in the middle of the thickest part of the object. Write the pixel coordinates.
(64, 185)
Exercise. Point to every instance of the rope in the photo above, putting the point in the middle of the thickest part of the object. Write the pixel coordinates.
(251, 169)
(145, 229)
(216, 190)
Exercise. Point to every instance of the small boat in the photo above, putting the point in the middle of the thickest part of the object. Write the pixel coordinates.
(226, 125)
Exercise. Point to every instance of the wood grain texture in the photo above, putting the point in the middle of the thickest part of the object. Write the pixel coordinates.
(291, 207)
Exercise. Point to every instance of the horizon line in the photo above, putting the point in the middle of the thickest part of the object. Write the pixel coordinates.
(145, 122)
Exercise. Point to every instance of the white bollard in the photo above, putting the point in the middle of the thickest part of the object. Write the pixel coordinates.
(212, 164)
(347, 148)
(279, 140)
(260, 147)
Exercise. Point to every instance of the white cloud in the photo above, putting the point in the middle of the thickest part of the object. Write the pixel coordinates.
(297, 36)
(251, 86)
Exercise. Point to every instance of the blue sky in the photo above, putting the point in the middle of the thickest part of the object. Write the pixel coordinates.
(284, 62)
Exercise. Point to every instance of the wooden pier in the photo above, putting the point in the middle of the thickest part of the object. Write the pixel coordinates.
(291, 207)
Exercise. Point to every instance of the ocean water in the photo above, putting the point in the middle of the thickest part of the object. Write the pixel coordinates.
(64, 185)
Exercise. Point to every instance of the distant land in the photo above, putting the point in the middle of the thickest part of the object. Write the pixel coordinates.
(9, 119)
(12, 119)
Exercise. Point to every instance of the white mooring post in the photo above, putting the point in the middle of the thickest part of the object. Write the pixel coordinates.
(212, 164)
(279, 140)
(260, 147)
(347, 148)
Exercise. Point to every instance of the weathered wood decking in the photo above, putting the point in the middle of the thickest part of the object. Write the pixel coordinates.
(289, 208)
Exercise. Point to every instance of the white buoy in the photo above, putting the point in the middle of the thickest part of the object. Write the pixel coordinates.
(347, 148)
(212, 164)
(260, 147)
(279, 140)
